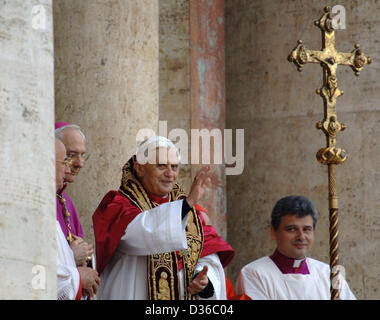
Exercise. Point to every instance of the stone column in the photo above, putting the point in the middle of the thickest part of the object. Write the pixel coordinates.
(208, 93)
(174, 75)
(106, 76)
(27, 157)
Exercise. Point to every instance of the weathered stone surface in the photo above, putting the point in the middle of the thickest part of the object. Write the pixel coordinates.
(174, 76)
(208, 95)
(27, 189)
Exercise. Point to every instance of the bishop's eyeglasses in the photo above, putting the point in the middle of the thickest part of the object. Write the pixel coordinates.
(73, 156)
(67, 162)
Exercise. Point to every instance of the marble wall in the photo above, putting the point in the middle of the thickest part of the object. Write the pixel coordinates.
(174, 76)
(27, 158)
(208, 105)
(278, 109)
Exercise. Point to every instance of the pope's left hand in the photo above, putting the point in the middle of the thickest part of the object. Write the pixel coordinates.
(199, 282)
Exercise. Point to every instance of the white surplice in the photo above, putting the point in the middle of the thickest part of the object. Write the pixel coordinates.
(158, 230)
(262, 280)
(68, 278)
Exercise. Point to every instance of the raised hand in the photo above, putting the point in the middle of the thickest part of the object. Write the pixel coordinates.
(199, 186)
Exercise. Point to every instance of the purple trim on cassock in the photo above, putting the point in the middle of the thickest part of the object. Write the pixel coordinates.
(286, 264)
(76, 227)
(60, 124)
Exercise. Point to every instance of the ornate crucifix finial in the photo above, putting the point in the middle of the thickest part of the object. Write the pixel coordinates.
(329, 58)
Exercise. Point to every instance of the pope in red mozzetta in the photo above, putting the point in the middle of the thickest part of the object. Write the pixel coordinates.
(152, 240)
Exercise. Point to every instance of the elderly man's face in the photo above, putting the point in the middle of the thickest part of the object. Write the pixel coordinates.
(75, 150)
(60, 168)
(158, 177)
(294, 236)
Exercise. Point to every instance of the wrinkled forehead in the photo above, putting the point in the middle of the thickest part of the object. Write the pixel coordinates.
(160, 155)
(73, 135)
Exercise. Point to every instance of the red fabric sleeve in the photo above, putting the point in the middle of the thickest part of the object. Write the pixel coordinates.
(231, 295)
(213, 243)
(229, 288)
(79, 293)
(240, 297)
(110, 220)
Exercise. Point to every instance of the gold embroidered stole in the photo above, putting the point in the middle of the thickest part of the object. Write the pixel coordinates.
(163, 280)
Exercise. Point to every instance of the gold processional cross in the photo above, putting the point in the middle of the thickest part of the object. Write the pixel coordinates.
(331, 155)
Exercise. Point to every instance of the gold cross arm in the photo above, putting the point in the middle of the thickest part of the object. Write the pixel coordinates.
(329, 58)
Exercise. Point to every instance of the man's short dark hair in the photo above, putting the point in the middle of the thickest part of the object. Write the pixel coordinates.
(293, 205)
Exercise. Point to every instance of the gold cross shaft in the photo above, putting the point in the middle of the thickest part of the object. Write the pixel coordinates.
(330, 58)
